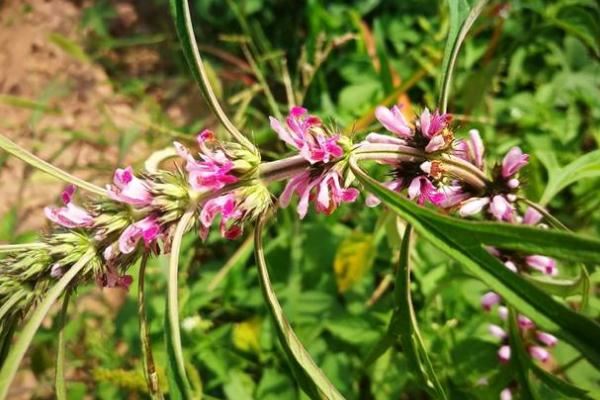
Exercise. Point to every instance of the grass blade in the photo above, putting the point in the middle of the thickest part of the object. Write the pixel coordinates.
(176, 363)
(59, 378)
(148, 360)
(18, 350)
(185, 30)
(309, 376)
(22, 154)
(462, 17)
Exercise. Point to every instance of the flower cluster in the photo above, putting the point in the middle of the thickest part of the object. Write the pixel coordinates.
(322, 180)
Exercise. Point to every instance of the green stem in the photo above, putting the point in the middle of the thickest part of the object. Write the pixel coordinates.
(59, 379)
(148, 360)
(19, 152)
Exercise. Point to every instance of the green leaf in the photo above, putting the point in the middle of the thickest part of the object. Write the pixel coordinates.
(586, 166)
(179, 385)
(558, 384)
(464, 240)
(185, 31)
(404, 324)
(308, 375)
(19, 348)
(22, 154)
(59, 378)
(462, 17)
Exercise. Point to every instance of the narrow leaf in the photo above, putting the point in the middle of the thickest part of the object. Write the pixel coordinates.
(185, 30)
(558, 384)
(180, 383)
(462, 240)
(22, 154)
(18, 350)
(462, 17)
(586, 166)
(309, 376)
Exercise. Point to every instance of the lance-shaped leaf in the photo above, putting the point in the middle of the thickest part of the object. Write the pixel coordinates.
(18, 350)
(462, 17)
(464, 240)
(308, 375)
(185, 30)
(404, 324)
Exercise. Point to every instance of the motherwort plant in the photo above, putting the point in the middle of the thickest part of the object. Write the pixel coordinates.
(437, 181)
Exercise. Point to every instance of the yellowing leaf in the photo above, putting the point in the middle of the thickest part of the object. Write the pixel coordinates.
(354, 257)
(246, 335)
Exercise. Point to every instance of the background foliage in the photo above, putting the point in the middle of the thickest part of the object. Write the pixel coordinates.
(528, 75)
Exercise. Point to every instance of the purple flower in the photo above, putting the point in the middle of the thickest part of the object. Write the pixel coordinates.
(496, 331)
(504, 354)
(422, 189)
(546, 338)
(126, 188)
(146, 229)
(213, 171)
(471, 149)
(532, 216)
(501, 209)
(524, 322)
(433, 124)
(326, 189)
(473, 206)
(231, 215)
(69, 216)
(513, 162)
(545, 265)
(489, 300)
(393, 120)
(305, 132)
(539, 353)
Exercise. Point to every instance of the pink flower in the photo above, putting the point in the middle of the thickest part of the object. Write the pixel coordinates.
(128, 189)
(374, 137)
(489, 300)
(546, 338)
(539, 353)
(501, 209)
(453, 195)
(471, 149)
(524, 322)
(511, 266)
(504, 354)
(69, 216)
(496, 331)
(305, 132)
(393, 120)
(532, 216)
(433, 124)
(373, 201)
(146, 229)
(326, 189)
(513, 162)
(213, 171)
(56, 271)
(231, 215)
(473, 206)
(506, 394)
(545, 265)
(423, 190)
(503, 313)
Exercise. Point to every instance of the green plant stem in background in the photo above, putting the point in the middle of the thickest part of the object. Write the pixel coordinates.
(180, 383)
(59, 377)
(185, 31)
(17, 151)
(462, 17)
(309, 376)
(18, 350)
(149, 368)
(404, 324)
